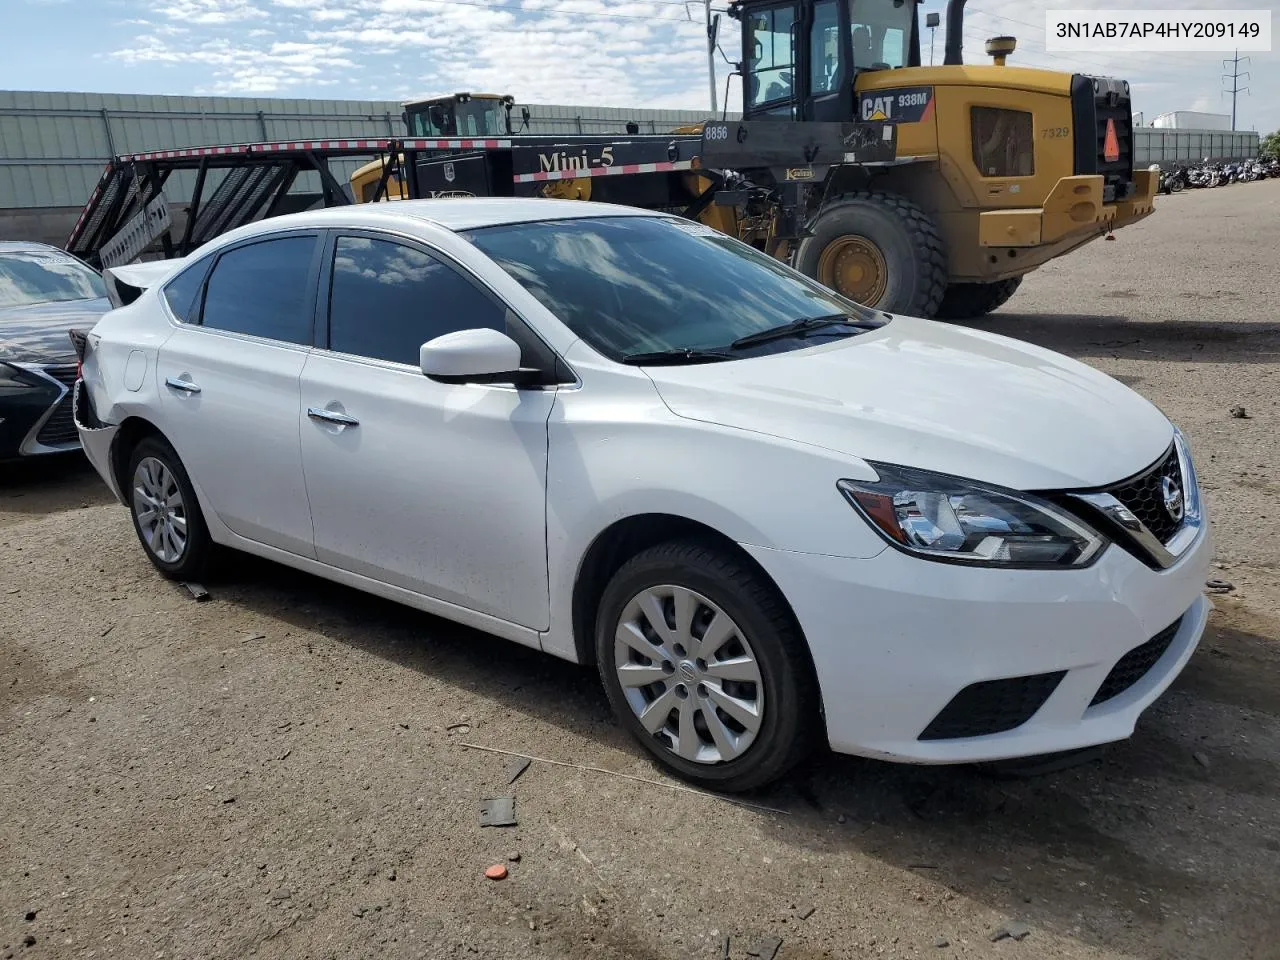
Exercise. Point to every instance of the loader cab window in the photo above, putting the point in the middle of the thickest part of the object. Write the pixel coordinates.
(881, 33)
(432, 120)
(824, 47)
(480, 118)
(771, 60)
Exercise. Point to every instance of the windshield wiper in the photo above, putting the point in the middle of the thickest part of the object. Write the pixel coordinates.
(803, 327)
(672, 358)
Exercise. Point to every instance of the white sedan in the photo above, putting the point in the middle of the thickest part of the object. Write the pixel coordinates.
(764, 512)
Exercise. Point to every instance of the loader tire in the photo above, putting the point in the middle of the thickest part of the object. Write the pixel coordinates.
(967, 301)
(880, 250)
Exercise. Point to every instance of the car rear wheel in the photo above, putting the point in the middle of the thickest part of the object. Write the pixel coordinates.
(703, 664)
(166, 515)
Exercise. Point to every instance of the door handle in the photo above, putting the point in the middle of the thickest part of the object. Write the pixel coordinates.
(332, 416)
(182, 386)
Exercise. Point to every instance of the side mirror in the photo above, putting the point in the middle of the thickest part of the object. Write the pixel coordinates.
(469, 356)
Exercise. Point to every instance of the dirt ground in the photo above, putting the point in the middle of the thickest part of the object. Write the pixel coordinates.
(277, 772)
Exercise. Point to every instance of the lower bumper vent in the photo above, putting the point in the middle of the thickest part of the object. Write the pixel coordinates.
(1135, 665)
(992, 706)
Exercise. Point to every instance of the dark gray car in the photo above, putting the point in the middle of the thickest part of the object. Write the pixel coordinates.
(44, 294)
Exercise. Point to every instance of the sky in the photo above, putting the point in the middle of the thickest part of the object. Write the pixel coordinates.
(623, 53)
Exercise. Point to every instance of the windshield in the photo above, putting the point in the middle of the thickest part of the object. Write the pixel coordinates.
(481, 118)
(881, 32)
(639, 285)
(37, 276)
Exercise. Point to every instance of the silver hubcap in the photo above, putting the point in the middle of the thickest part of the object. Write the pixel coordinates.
(160, 510)
(689, 674)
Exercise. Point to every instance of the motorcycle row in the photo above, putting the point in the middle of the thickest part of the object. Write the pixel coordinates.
(1217, 174)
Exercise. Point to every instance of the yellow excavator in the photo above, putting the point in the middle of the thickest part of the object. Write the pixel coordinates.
(998, 168)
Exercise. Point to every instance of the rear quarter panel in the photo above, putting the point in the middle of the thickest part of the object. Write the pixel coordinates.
(126, 339)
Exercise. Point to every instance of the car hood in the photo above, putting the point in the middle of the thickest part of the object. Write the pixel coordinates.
(38, 333)
(937, 397)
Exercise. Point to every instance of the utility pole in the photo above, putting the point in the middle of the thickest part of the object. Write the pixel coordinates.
(1235, 76)
(711, 55)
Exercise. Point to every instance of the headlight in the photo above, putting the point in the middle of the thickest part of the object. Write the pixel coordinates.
(1190, 483)
(950, 519)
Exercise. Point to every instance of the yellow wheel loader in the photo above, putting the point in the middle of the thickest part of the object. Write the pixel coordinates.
(999, 169)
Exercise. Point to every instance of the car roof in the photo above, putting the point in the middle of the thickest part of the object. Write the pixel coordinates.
(26, 246)
(453, 213)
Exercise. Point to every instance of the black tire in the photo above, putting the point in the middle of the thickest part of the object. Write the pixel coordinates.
(966, 301)
(906, 237)
(193, 561)
(1176, 185)
(790, 727)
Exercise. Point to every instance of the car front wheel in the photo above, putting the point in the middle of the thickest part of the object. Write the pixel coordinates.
(704, 664)
(165, 513)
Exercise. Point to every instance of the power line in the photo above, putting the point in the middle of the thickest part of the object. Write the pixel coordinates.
(1235, 76)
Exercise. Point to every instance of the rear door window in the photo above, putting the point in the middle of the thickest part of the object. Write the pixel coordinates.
(264, 289)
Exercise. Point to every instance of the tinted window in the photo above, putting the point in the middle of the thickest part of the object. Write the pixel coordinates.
(181, 291)
(40, 276)
(389, 299)
(262, 289)
(639, 284)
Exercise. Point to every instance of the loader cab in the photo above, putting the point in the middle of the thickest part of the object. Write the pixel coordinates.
(801, 57)
(461, 115)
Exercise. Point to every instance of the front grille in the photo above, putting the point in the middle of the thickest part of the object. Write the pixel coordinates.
(1094, 102)
(1135, 664)
(1144, 496)
(65, 375)
(992, 706)
(60, 429)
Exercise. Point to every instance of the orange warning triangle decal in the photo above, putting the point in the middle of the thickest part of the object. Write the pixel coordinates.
(1111, 145)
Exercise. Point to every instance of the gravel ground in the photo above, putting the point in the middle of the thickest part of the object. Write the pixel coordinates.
(279, 772)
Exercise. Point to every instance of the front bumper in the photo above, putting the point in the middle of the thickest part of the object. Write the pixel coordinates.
(1074, 212)
(896, 638)
(36, 418)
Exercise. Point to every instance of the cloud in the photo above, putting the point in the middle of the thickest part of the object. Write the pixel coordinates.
(235, 67)
(209, 12)
(624, 53)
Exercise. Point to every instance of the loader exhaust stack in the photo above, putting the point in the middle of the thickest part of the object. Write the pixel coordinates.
(955, 33)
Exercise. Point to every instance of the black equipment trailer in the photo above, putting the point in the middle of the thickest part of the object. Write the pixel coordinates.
(779, 168)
